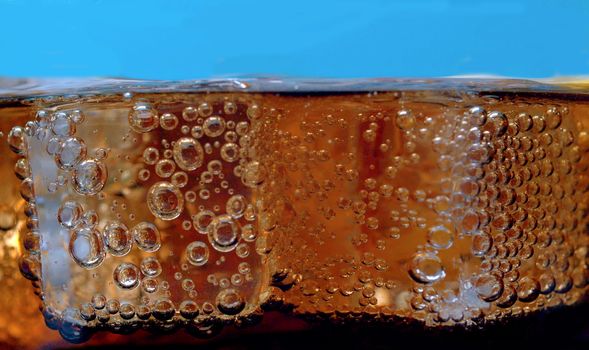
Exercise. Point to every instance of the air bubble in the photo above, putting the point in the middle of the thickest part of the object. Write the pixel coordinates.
(163, 310)
(165, 168)
(62, 125)
(236, 206)
(126, 276)
(426, 268)
(496, 124)
(405, 120)
(151, 155)
(86, 247)
(151, 266)
(146, 236)
(69, 214)
(165, 201)
(230, 302)
(149, 285)
(202, 220)
(205, 109)
(242, 250)
(214, 126)
(89, 177)
(488, 287)
(188, 153)
(248, 233)
(223, 233)
(168, 121)
(16, 140)
(143, 118)
(440, 237)
(253, 174)
(189, 309)
(528, 289)
(197, 253)
(117, 239)
(180, 179)
(481, 244)
(71, 152)
(190, 114)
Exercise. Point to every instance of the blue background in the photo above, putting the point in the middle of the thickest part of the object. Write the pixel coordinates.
(168, 39)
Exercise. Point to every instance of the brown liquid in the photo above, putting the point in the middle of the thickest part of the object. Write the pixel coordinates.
(397, 206)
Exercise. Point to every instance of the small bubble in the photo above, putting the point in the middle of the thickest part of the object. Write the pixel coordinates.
(528, 289)
(143, 118)
(62, 125)
(426, 268)
(180, 179)
(242, 250)
(149, 285)
(248, 233)
(151, 155)
(202, 220)
(539, 124)
(197, 253)
(215, 167)
(440, 237)
(197, 132)
(205, 109)
(126, 276)
(441, 204)
(214, 126)
(477, 115)
(86, 247)
(163, 310)
(89, 177)
(190, 114)
(143, 174)
(488, 287)
(230, 152)
(168, 121)
(71, 152)
(165, 168)
(229, 107)
(99, 301)
(151, 266)
(117, 239)
(236, 206)
(146, 236)
(127, 311)
(223, 233)
(481, 244)
(405, 120)
(69, 214)
(189, 309)
(188, 153)
(242, 128)
(496, 124)
(230, 302)
(16, 140)
(254, 174)
(165, 201)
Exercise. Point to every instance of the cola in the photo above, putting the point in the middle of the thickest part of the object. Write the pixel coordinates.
(437, 204)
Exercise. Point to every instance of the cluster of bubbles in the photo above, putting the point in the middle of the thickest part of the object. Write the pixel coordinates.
(450, 213)
(490, 201)
(89, 245)
(512, 181)
(198, 174)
